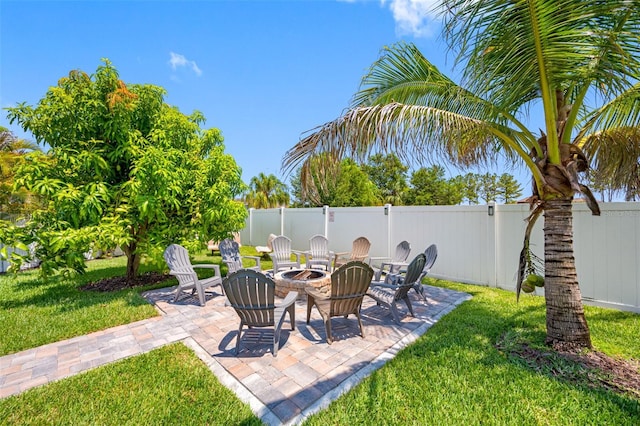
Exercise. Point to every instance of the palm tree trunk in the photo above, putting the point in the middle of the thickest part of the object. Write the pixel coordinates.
(566, 322)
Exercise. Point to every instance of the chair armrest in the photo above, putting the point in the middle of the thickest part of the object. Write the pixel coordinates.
(305, 253)
(255, 258)
(381, 259)
(316, 294)
(190, 274)
(289, 300)
(394, 279)
(383, 284)
(208, 266)
(251, 257)
(341, 255)
(393, 265)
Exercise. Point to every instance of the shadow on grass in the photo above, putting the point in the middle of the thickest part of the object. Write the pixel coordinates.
(477, 327)
(31, 289)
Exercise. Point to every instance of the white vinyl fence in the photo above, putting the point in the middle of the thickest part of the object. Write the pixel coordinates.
(473, 246)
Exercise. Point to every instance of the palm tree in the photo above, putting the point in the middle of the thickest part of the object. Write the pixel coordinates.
(578, 59)
(266, 192)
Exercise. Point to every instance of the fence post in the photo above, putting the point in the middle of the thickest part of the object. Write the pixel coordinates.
(281, 220)
(325, 213)
(251, 226)
(387, 213)
(492, 244)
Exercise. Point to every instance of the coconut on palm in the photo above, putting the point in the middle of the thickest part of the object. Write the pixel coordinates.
(527, 286)
(536, 280)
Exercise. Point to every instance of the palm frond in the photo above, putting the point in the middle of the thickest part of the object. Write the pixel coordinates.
(519, 44)
(616, 152)
(413, 132)
(402, 74)
(621, 112)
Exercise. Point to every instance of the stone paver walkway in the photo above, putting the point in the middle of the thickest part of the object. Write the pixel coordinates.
(304, 378)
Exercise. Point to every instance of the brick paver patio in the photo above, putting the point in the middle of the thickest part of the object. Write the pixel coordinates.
(304, 378)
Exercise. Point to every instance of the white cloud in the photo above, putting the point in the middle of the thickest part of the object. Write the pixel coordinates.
(178, 60)
(414, 17)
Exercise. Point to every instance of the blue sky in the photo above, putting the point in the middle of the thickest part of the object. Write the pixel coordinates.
(263, 72)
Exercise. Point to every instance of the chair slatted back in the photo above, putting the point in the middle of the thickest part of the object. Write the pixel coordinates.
(252, 295)
(360, 249)
(402, 252)
(319, 247)
(270, 239)
(281, 246)
(177, 258)
(230, 252)
(414, 272)
(349, 283)
(432, 254)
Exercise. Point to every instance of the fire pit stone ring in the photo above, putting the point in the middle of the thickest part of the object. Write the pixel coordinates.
(298, 279)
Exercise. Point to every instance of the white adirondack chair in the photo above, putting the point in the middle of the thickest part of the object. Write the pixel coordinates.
(177, 258)
(281, 254)
(319, 254)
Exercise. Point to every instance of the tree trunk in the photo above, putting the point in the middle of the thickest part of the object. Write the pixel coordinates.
(133, 260)
(566, 322)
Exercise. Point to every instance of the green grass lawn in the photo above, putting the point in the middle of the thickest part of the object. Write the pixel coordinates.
(36, 311)
(452, 375)
(169, 385)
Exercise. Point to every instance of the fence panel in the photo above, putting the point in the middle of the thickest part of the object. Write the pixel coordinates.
(345, 224)
(479, 248)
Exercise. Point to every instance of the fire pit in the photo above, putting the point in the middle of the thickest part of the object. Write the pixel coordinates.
(298, 279)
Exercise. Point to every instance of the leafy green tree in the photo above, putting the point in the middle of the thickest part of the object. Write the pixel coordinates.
(298, 200)
(509, 189)
(353, 187)
(342, 184)
(578, 60)
(13, 201)
(429, 187)
(125, 169)
(267, 192)
(471, 188)
(488, 187)
(389, 175)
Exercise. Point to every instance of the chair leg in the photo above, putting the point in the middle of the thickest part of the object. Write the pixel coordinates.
(408, 302)
(178, 291)
(292, 316)
(394, 312)
(201, 296)
(327, 327)
(419, 288)
(360, 324)
(310, 302)
(276, 341)
(238, 339)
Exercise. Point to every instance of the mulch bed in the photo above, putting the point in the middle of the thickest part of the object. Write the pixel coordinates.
(592, 368)
(120, 283)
